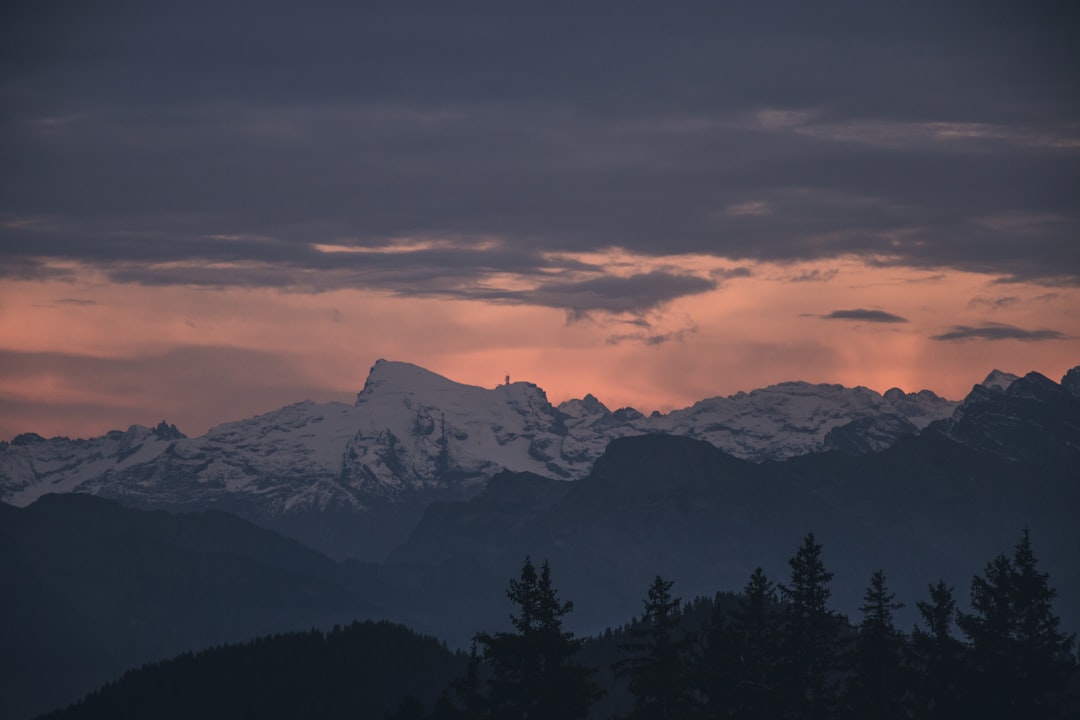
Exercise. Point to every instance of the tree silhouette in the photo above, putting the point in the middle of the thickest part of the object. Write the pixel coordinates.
(532, 670)
(877, 686)
(658, 672)
(938, 657)
(810, 640)
(464, 699)
(1020, 659)
(742, 655)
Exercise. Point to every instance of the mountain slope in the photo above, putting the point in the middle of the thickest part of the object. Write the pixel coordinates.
(360, 670)
(353, 480)
(929, 507)
(94, 588)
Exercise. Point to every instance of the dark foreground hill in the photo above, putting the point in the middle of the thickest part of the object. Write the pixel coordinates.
(753, 655)
(363, 670)
(89, 588)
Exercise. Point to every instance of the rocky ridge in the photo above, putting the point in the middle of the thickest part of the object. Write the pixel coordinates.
(411, 431)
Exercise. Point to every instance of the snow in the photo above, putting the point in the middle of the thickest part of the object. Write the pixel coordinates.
(413, 430)
(999, 380)
(61, 465)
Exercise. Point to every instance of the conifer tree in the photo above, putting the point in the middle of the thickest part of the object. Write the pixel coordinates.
(938, 657)
(464, 700)
(877, 687)
(810, 642)
(657, 671)
(533, 674)
(1045, 653)
(742, 655)
(1021, 661)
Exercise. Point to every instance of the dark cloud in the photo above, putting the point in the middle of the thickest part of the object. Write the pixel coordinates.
(23, 268)
(731, 273)
(995, 303)
(876, 316)
(651, 339)
(997, 331)
(643, 338)
(815, 275)
(443, 270)
(634, 294)
(137, 138)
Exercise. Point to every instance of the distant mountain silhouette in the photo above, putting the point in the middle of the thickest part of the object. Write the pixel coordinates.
(89, 588)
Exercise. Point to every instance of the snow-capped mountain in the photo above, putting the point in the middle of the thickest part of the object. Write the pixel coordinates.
(999, 380)
(411, 429)
(413, 436)
(1030, 419)
(31, 466)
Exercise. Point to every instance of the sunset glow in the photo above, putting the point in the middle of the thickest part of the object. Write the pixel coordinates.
(201, 223)
(218, 354)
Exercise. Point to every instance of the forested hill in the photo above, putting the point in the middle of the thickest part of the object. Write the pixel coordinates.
(90, 589)
(362, 670)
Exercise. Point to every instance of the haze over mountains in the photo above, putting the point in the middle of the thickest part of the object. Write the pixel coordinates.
(99, 587)
(412, 437)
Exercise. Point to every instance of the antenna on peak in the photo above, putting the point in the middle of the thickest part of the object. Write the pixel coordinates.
(507, 377)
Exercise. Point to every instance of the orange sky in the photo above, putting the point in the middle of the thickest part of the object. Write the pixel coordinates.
(200, 222)
(80, 357)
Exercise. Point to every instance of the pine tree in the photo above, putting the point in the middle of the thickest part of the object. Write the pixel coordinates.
(1021, 661)
(810, 641)
(464, 700)
(741, 657)
(658, 671)
(532, 670)
(877, 687)
(938, 657)
(1045, 654)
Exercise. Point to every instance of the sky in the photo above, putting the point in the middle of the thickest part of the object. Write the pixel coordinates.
(209, 210)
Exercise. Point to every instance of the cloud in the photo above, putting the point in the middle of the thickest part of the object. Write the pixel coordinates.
(997, 331)
(876, 316)
(749, 208)
(31, 269)
(730, 273)
(467, 121)
(424, 269)
(651, 339)
(612, 294)
(948, 136)
(815, 275)
(995, 303)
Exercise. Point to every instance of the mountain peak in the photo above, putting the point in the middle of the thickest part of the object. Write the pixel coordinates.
(1071, 382)
(999, 379)
(391, 376)
(586, 406)
(165, 431)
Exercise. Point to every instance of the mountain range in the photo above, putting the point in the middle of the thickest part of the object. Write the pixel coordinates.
(930, 507)
(98, 587)
(353, 480)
